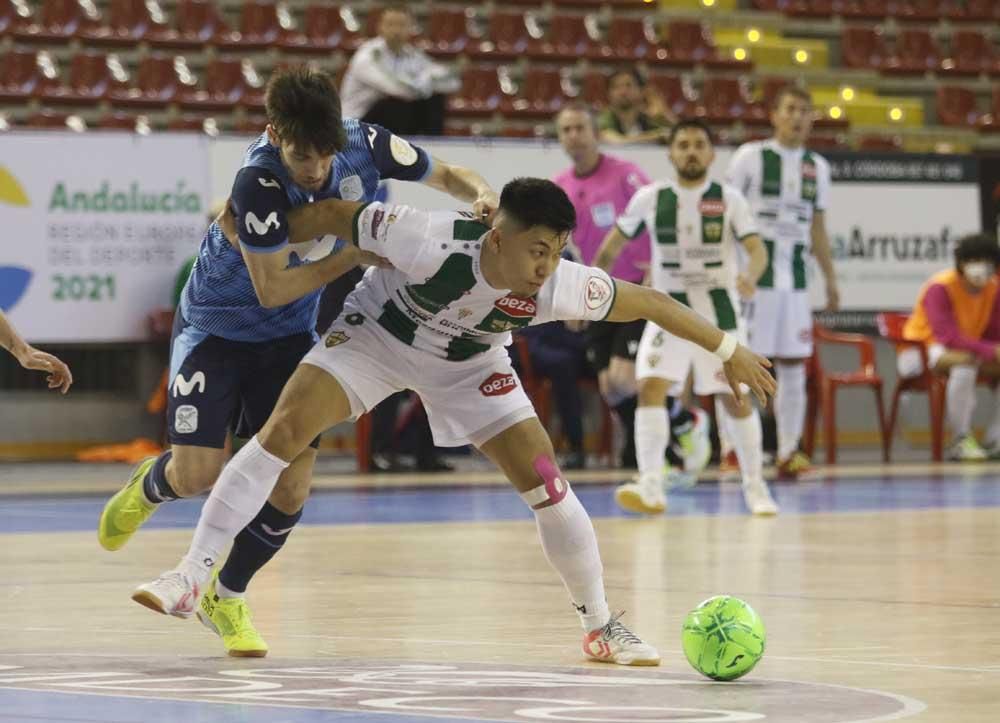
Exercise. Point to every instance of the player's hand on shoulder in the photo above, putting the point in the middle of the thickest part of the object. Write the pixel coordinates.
(745, 367)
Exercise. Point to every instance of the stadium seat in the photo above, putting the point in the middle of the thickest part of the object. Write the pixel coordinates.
(594, 88)
(128, 23)
(863, 9)
(118, 121)
(263, 25)
(566, 40)
(222, 88)
(628, 40)
(991, 121)
(52, 120)
(811, 8)
(864, 48)
(13, 15)
(828, 383)
(671, 88)
(197, 24)
(957, 107)
(689, 42)
(880, 143)
(971, 54)
(506, 36)
(90, 80)
(323, 30)
(58, 21)
(916, 54)
(921, 11)
(195, 124)
(250, 125)
(156, 84)
(480, 93)
(725, 99)
(21, 76)
(980, 10)
(539, 94)
(447, 33)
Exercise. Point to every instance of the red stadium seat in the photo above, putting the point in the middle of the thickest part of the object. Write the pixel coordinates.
(129, 22)
(864, 9)
(90, 80)
(880, 143)
(539, 94)
(13, 16)
(260, 27)
(957, 107)
(506, 36)
(156, 84)
(812, 8)
(222, 89)
(689, 42)
(198, 24)
(323, 30)
(971, 54)
(566, 39)
(594, 88)
(916, 54)
(480, 93)
(194, 124)
(52, 120)
(991, 121)
(864, 48)
(118, 121)
(982, 10)
(447, 33)
(674, 94)
(59, 20)
(725, 100)
(921, 11)
(629, 40)
(21, 76)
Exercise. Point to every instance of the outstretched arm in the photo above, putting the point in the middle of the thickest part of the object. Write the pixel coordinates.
(466, 185)
(742, 366)
(28, 357)
(609, 250)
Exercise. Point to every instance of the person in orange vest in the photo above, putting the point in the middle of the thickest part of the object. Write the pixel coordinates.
(957, 315)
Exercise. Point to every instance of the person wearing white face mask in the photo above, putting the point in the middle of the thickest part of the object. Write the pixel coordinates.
(957, 315)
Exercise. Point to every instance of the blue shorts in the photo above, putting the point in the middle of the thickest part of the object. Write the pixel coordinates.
(214, 382)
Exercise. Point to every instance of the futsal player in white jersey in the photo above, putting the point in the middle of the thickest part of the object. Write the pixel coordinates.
(694, 227)
(788, 187)
(438, 323)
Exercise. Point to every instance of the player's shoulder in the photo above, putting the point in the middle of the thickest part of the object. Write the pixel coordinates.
(649, 191)
(261, 154)
(819, 160)
(747, 150)
(731, 192)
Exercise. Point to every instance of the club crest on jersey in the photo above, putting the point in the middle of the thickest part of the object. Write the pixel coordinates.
(517, 306)
(712, 231)
(464, 313)
(598, 292)
(498, 384)
(335, 338)
(711, 207)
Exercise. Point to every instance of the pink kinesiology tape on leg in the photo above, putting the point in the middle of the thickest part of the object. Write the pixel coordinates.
(555, 485)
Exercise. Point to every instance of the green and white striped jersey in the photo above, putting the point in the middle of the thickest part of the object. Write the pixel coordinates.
(785, 187)
(693, 232)
(435, 297)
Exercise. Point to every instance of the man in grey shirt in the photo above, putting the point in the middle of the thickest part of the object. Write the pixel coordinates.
(393, 84)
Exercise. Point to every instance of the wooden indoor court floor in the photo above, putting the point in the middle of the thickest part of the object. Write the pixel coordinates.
(880, 592)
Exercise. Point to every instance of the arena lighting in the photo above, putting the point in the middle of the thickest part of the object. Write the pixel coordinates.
(740, 53)
(753, 35)
(847, 93)
(708, 3)
(835, 112)
(801, 56)
(896, 114)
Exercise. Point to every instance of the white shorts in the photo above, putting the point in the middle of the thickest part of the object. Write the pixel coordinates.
(780, 323)
(665, 356)
(467, 402)
(908, 362)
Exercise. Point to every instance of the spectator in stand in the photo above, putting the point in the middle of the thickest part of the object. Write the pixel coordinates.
(957, 315)
(636, 113)
(393, 84)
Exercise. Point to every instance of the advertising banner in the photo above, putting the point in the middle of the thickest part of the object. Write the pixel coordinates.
(95, 229)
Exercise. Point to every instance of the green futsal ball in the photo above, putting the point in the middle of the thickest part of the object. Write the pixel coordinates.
(723, 638)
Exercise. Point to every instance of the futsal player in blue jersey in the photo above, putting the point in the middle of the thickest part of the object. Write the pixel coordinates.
(247, 317)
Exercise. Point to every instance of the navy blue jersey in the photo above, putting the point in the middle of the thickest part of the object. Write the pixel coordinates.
(219, 297)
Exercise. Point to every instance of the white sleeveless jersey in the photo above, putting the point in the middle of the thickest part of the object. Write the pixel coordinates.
(693, 233)
(436, 300)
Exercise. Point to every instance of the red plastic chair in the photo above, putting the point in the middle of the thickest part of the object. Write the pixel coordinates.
(916, 53)
(826, 384)
(864, 48)
(223, 87)
(447, 33)
(971, 54)
(566, 40)
(156, 84)
(480, 93)
(506, 36)
(539, 95)
(890, 325)
(725, 100)
(57, 22)
(957, 107)
(628, 41)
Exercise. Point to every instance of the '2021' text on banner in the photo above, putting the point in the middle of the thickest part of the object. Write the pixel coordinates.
(95, 230)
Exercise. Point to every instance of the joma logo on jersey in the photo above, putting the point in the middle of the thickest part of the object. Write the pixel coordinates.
(255, 225)
(184, 387)
(498, 384)
(711, 207)
(517, 306)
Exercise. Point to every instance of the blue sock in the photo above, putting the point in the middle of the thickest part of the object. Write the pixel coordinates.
(257, 543)
(155, 485)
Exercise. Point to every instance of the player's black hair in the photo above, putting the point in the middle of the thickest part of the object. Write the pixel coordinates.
(538, 202)
(636, 76)
(977, 247)
(303, 107)
(685, 123)
(792, 90)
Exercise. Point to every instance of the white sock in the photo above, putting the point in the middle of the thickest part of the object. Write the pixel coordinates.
(993, 434)
(961, 399)
(725, 444)
(748, 441)
(570, 546)
(790, 407)
(652, 435)
(225, 593)
(241, 490)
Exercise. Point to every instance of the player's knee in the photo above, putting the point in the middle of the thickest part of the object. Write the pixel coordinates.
(736, 408)
(193, 474)
(653, 392)
(551, 488)
(286, 434)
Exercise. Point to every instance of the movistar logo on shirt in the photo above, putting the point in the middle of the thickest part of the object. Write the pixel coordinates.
(255, 225)
(133, 199)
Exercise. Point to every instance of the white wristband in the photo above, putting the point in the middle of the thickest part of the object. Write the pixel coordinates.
(727, 348)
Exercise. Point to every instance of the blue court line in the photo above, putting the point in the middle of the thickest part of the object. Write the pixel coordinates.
(22, 706)
(469, 504)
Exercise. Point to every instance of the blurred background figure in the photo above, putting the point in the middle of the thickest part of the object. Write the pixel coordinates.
(636, 113)
(394, 84)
